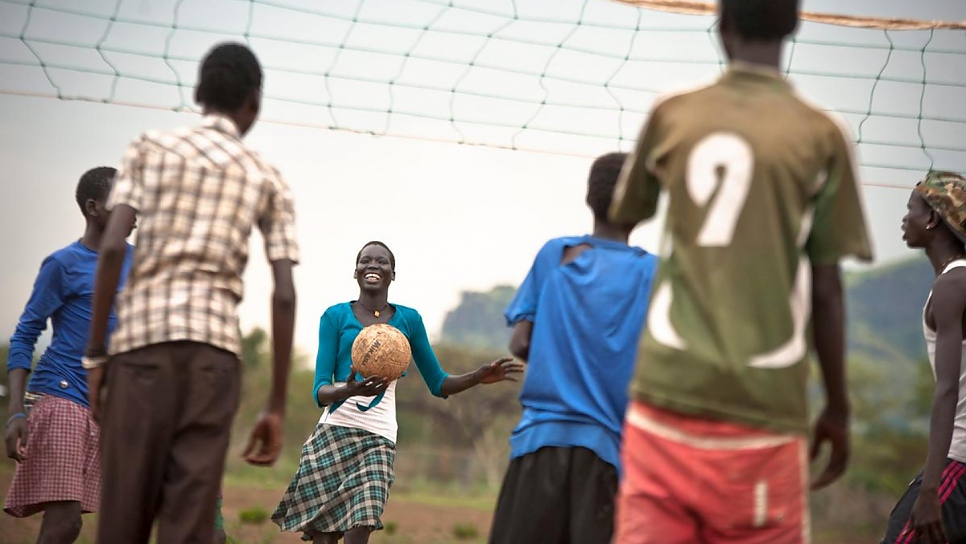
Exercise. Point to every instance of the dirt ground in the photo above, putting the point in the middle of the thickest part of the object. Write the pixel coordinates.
(410, 520)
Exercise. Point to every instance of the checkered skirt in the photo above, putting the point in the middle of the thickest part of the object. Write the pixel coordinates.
(62, 461)
(342, 482)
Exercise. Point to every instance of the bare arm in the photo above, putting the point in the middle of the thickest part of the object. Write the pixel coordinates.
(497, 371)
(265, 443)
(110, 261)
(520, 340)
(829, 327)
(948, 305)
(459, 383)
(17, 380)
(828, 311)
(283, 331)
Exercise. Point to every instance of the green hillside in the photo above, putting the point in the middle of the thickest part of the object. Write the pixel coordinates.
(478, 321)
(885, 310)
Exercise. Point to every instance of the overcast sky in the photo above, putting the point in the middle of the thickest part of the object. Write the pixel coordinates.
(457, 217)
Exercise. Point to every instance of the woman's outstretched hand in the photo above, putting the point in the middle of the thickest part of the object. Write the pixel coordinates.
(505, 369)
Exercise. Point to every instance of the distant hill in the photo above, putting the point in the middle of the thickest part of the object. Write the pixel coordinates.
(888, 373)
(884, 308)
(478, 322)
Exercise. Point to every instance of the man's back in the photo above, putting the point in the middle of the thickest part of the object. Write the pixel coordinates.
(587, 315)
(198, 192)
(753, 205)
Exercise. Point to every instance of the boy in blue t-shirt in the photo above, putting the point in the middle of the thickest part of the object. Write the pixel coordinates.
(576, 321)
(56, 450)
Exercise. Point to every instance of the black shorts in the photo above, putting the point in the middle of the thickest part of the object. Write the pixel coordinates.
(952, 493)
(556, 496)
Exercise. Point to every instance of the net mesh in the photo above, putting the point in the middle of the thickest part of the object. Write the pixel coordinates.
(567, 77)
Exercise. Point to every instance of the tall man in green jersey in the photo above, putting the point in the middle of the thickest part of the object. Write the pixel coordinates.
(763, 203)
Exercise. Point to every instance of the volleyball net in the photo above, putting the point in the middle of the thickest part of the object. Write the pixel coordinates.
(574, 77)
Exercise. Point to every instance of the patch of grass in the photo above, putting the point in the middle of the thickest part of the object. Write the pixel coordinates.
(482, 503)
(420, 491)
(465, 531)
(255, 516)
(241, 474)
(390, 527)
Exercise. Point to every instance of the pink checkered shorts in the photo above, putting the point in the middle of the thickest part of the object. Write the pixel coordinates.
(62, 464)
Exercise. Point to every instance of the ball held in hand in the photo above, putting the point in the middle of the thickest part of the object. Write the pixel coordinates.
(381, 350)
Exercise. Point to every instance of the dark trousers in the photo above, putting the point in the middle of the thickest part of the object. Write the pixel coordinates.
(165, 428)
(556, 496)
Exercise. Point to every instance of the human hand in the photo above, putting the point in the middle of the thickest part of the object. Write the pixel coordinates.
(265, 442)
(16, 438)
(832, 427)
(368, 387)
(926, 519)
(503, 369)
(95, 391)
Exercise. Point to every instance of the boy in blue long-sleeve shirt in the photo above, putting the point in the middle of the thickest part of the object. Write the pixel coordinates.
(58, 469)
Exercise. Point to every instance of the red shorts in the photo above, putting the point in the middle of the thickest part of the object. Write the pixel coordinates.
(690, 480)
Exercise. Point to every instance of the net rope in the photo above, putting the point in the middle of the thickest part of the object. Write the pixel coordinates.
(566, 77)
(882, 23)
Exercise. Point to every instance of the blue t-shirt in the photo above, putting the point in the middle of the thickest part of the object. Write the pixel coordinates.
(587, 318)
(338, 329)
(63, 293)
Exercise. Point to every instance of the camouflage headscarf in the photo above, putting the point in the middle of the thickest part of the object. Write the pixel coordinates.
(945, 192)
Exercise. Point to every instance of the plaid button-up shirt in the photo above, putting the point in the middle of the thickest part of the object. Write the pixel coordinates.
(197, 191)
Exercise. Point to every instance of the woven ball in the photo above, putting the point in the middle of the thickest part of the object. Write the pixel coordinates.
(381, 350)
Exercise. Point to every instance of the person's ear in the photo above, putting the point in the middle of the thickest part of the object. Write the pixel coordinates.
(90, 208)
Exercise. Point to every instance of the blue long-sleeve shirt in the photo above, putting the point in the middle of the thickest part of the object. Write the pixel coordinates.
(63, 293)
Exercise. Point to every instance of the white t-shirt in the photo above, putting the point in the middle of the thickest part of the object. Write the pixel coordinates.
(380, 419)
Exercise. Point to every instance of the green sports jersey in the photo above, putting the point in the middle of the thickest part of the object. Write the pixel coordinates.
(761, 186)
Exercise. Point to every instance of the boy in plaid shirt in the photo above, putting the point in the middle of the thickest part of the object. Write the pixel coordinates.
(172, 376)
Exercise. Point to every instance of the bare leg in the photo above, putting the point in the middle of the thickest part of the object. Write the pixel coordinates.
(325, 538)
(220, 536)
(357, 535)
(62, 523)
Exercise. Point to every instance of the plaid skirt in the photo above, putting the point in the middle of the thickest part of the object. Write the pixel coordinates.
(62, 463)
(342, 482)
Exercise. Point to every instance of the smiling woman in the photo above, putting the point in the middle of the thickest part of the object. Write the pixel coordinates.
(345, 469)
